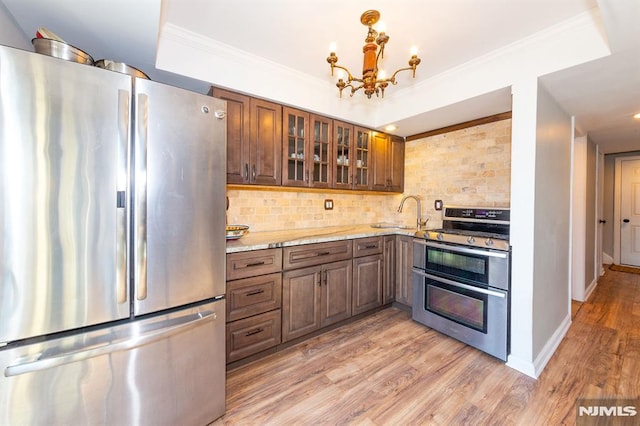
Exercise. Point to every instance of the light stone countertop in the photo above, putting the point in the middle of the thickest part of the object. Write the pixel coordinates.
(294, 237)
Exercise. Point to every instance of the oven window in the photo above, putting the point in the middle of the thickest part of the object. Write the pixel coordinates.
(462, 306)
(458, 265)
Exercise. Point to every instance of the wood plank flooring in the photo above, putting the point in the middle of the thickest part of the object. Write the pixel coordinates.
(388, 370)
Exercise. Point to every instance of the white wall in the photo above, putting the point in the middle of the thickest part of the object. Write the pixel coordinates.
(523, 160)
(540, 223)
(583, 252)
(551, 294)
(591, 217)
(578, 218)
(10, 34)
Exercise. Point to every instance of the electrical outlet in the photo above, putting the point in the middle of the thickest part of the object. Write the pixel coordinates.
(328, 204)
(437, 205)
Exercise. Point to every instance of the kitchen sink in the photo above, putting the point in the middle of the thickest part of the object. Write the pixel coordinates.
(391, 225)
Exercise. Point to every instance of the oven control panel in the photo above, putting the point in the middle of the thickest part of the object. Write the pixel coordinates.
(481, 213)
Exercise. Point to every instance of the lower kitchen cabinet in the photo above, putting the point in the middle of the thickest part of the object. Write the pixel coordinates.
(403, 270)
(254, 300)
(367, 283)
(315, 297)
(252, 335)
(278, 295)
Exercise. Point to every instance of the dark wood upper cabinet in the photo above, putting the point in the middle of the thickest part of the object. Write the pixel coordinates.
(295, 147)
(266, 139)
(343, 147)
(268, 144)
(380, 148)
(388, 162)
(321, 168)
(306, 149)
(362, 156)
(396, 164)
(254, 137)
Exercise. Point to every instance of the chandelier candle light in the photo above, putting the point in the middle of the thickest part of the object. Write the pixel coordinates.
(372, 80)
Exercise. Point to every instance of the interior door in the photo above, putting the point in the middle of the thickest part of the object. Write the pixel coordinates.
(64, 130)
(630, 213)
(179, 218)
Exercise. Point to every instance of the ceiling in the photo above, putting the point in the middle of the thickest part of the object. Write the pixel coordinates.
(586, 53)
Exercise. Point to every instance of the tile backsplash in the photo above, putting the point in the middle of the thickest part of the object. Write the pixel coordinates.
(466, 167)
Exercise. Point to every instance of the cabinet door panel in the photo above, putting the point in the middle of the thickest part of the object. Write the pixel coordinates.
(322, 151)
(300, 302)
(396, 165)
(336, 292)
(296, 153)
(389, 281)
(404, 264)
(362, 153)
(343, 148)
(367, 283)
(238, 113)
(380, 148)
(266, 143)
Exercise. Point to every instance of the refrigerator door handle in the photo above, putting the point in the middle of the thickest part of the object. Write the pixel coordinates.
(140, 224)
(161, 330)
(121, 187)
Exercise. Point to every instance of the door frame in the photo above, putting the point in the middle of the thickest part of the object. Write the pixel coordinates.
(599, 212)
(616, 205)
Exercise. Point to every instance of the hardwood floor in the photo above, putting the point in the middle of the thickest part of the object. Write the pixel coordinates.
(388, 370)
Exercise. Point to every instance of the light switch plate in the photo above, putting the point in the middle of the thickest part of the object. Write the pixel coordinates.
(437, 204)
(328, 204)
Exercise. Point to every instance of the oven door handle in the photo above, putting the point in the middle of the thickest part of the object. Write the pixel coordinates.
(460, 285)
(501, 255)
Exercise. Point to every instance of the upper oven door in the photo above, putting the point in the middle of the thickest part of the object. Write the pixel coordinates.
(488, 268)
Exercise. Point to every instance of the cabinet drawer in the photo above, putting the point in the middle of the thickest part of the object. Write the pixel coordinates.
(316, 254)
(252, 335)
(255, 295)
(367, 246)
(253, 263)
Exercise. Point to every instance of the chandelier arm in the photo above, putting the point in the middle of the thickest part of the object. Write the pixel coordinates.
(392, 79)
(349, 76)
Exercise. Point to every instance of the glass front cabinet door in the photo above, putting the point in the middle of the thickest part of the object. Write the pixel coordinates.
(362, 158)
(343, 138)
(295, 147)
(321, 170)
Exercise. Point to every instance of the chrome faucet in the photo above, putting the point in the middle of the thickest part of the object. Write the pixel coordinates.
(420, 223)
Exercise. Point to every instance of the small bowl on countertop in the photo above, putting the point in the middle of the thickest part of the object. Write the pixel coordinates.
(236, 231)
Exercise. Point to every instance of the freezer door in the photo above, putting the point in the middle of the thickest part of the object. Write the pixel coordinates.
(179, 208)
(64, 130)
(166, 370)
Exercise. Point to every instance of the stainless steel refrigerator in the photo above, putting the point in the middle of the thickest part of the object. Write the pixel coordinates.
(112, 193)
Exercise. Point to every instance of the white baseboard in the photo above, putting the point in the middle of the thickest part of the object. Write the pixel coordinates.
(606, 259)
(590, 288)
(534, 369)
(552, 344)
(522, 366)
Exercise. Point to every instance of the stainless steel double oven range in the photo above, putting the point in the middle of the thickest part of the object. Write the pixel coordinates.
(462, 277)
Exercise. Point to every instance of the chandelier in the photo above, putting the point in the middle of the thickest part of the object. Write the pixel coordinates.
(372, 80)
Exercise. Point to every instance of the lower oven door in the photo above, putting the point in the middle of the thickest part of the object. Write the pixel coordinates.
(474, 315)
